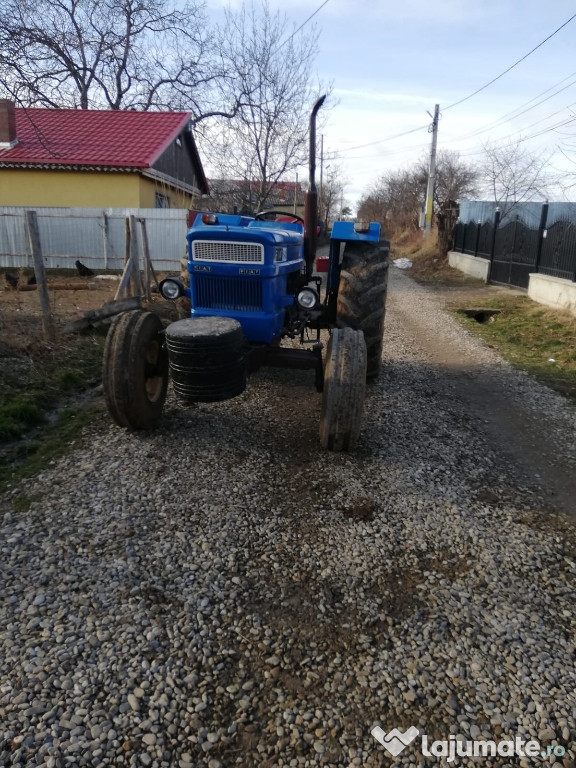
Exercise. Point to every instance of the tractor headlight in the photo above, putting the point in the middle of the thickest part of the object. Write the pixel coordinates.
(171, 288)
(308, 299)
(280, 254)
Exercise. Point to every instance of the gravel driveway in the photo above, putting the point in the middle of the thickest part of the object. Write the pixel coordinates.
(224, 593)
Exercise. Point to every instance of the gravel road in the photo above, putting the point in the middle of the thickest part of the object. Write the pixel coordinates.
(224, 593)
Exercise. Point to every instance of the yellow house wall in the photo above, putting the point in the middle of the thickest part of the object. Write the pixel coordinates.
(29, 187)
(67, 188)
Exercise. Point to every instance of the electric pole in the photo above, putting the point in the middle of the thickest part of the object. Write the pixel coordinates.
(431, 173)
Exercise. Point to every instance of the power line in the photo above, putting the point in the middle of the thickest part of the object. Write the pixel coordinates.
(412, 148)
(514, 113)
(386, 138)
(303, 24)
(461, 101)
(524, 138)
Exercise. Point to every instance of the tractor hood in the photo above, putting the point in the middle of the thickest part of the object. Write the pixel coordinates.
(226, 227)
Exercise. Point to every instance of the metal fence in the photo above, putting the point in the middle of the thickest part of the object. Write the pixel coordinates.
(95, 236)
(534, 237)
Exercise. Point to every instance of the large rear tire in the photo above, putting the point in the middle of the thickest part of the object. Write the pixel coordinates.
(362, 296)
(344, 390)
(135, 370)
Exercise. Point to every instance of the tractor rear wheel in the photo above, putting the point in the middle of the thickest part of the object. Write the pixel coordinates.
(362, 296)
(135, 370)
(344, 390)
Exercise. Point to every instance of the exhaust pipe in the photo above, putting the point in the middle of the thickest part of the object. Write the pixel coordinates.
(311, 201)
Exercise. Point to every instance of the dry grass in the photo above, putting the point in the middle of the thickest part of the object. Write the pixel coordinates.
(428, 265)
(533, 338)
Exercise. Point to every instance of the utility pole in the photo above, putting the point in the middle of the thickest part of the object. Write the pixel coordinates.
(431, 172)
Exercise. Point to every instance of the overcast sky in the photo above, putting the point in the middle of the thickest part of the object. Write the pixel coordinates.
(390, 62)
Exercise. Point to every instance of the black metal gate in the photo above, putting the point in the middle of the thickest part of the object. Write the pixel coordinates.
(515, 254)
(516, 251)
(559, 251)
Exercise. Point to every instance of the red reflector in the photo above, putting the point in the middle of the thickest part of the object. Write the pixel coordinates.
(209, 218)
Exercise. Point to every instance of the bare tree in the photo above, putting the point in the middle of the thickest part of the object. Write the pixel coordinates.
(455, 179)
(272, 70)
(132, 54)
(512, 174)
(330, 201)
(395, 200)
(397, 197)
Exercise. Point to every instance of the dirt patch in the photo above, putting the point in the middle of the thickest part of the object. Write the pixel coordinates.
(20, 313)
(361, 508)
(454, 296)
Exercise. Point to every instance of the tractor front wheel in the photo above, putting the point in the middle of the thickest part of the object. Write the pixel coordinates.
(135, 370)
(362, 296)
(344, 390)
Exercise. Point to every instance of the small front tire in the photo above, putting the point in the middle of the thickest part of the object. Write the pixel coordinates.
(135, 370)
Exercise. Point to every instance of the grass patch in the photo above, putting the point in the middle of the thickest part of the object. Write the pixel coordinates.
(533, 338)
(40, 389)
(56, 441)
(18, 417)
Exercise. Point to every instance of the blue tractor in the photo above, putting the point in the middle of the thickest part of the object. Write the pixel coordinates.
(253, 287)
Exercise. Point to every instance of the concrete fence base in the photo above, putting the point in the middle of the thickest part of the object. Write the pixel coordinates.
(553, 291)
(470, 265)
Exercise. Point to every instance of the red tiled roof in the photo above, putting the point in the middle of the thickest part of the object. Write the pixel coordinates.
(93, 137)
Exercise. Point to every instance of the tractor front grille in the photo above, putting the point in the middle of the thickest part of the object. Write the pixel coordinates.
(231, 293)
(231, 253)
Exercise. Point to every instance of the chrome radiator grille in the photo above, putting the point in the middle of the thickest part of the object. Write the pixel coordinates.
(231, 253)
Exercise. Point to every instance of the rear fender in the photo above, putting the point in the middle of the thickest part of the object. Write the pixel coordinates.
(345, 231)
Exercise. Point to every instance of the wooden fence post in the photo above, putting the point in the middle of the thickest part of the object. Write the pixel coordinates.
(137, 288)
(36, 248)
(128, 264)
(149, 269)
(106, 235)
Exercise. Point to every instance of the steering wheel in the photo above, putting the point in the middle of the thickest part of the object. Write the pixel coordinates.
(263, 214)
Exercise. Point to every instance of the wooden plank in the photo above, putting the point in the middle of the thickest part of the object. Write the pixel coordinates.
(106, 235)
(126, 274)
(124, 281)
(136, 276)
(58, 287)
(36, 248)
(110, 309)
(148, 261)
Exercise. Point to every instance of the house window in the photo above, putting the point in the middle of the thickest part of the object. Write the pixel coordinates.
(161, 200)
